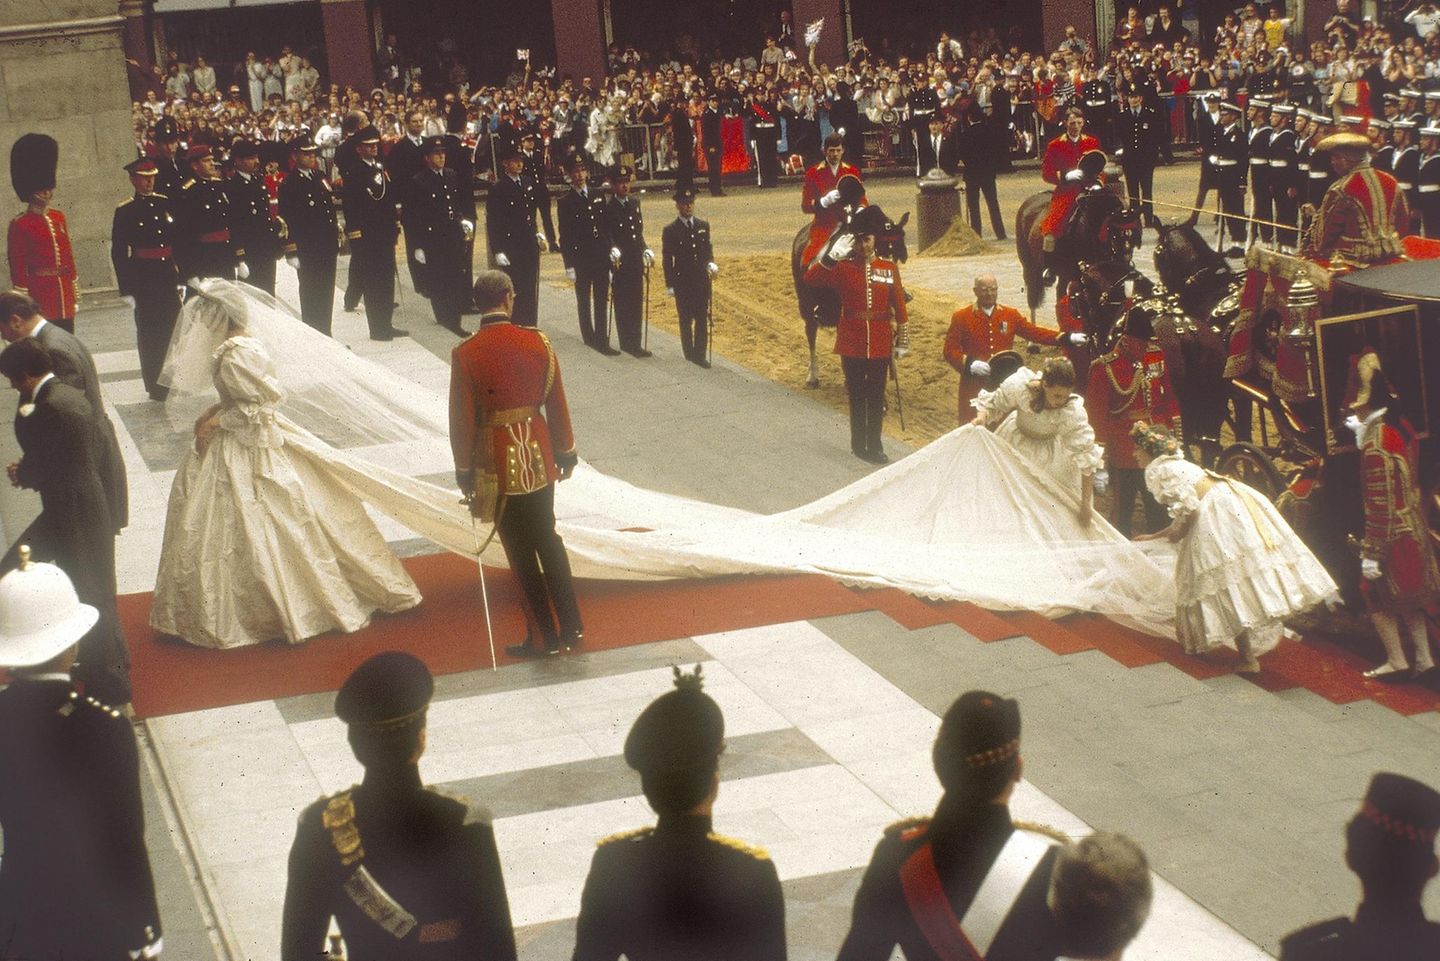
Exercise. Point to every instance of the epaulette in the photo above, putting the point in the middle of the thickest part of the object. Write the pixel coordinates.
(758, 853)
(126, 201)
(188, 184)
(76, 698)
(634, 835)
(901, 826)
(475, 812)
(1054, 834)
(156, 193)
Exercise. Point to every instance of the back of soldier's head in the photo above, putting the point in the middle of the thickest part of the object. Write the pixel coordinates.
(1100, 893)
(383, 704)
(977, 752)
(1390, 843)
(676, 744)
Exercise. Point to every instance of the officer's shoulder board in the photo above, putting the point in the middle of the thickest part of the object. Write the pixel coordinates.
(1315, 940)
(638, 834)
(188, 184)
(1045, 830)
(906, 824)
(79, 701)
(754, 851)
(473, 811)
(127, 202)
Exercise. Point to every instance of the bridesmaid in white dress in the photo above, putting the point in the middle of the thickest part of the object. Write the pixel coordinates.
(1045, 421)
(1240, 570)
(261, 542)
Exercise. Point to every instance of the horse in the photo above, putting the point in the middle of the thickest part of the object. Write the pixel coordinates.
(1100, 224)
(820, 306)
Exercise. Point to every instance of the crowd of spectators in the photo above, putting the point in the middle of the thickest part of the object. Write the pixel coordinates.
(636, 108)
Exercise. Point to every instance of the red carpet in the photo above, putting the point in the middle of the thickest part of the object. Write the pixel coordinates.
(448, 632)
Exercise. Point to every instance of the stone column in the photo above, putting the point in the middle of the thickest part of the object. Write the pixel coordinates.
(349, 50)
(832, 39)
(579, 39)
(137, 48)
(1081, 14)
(65, 75)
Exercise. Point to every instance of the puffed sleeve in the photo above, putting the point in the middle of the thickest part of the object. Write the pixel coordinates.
(247, 384)
(1171, 484)
(997, 404)
(1078, 437)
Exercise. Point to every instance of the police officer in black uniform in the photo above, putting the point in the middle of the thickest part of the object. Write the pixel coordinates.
(1390, 845)
(460, 157)
(1138, 130)
(372, 228)
(436, 225)
(1261, 198)
(689, 261)
(510, 230)
(585, 247)
(257, 235)
(205, 246)
(679, 890)
(171, 169)
(307, 205)
(711, 133)
(682, 137)
(142, 248)
(630, 260)
(534, 171)
(408, 873)
(1284, 200)
(75, 881)
(1231, 159)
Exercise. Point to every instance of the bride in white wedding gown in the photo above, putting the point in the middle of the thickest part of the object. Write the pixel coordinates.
(260, 543)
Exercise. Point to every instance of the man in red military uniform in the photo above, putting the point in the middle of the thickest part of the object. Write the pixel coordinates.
(872, 323)
(42, 264)
(508, 456)
(1128, 385)
(823, 198)
(1398, 570)
(1061, 167)
(983, 329)
(1363, 212)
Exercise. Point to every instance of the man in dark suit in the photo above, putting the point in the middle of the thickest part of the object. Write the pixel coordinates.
(711, 131)
(255, 234)
(371, 226)
(307, 205)
(630, 260)
(435, 224)
(75, 881)
(585, 247)
(59, 440)
(510, 232)
(1138, 129)
(404, 161)
(406, 872)
(980, 150)
(142, 249)
(689, 259)
(935, 149)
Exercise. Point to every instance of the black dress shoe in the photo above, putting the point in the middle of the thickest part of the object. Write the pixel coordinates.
(701, 362)
(569, 640)
(526, 649)
(457, 330)
(640, 353)
(606, 349)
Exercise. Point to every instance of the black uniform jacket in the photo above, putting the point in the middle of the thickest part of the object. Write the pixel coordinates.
(307, 205)
(510, 217)
(584, 237)
(1374, 935)
(142, 246)
(687, 253)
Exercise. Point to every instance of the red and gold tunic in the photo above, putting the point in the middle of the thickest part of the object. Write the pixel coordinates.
(1396, 534)
(1127, 385)
(819, 181)
(42, 264)
(1359, 221)
(872, 305)
(500, 380)
(975, 336)
(1062, 155)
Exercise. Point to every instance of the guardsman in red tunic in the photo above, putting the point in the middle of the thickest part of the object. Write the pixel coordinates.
(1399, 577)
(508, 455)
(42, 263)
(872, 323)
(1360, 219)
(822, 197)
(1128, 385)
(983, 329)
(1061, 167)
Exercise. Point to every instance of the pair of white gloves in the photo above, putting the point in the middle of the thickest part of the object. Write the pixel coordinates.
(712, 268)
(647, 256)
(500, 258)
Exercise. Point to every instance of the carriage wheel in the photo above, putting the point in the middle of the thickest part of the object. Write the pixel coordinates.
(1253, 467)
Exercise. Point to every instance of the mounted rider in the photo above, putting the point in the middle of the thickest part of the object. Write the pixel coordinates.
(1073, 163)
(1360, 219)
(831, 188)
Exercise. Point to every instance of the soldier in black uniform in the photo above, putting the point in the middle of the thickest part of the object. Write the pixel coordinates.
(1382, 152)
(307, 205)
(534, 171)
(372, 228)
(1209, 121)
(1321, 176)
(511, 234)
(711, 133)
(1284, 196)
(460, 157)
(679, 890)
(763, 114)
(1261, 198)
(142, 248)
(75, 881)
(1390, 845)
(345, 158)
(1406, 167)
(1097, 100)
(408, 873)
(1427, 182)
(585, 247)
(1231, 159)
(257, 235)
(435, 223)
(689, 266)
(630, 260)
(1138, 130)
(171, 169)
(204, 245)
(948, 856)
(404, 161)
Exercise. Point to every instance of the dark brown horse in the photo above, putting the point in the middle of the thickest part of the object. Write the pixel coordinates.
(1100, 228)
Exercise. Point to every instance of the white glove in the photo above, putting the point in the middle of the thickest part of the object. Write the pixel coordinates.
(467, 227)
(242, 270)
(979, 368)
(501, 260)
(420, 257)
(1120, 152)
(193, 283)
(293, 261)
(648, 257)
(1078, 339)
(900, 353)
(1100, 482)
(1214, 160)
(830, 199)
(1370, 569)
(843, 247)
(615, 256)
(180, 290)
(127, 300)
(1074, 176)
(541, 242)
(570, 274)
(712, 268)
(669, 291)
